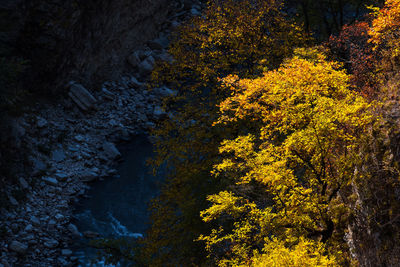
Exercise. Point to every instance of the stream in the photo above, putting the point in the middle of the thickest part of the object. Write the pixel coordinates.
(117, 206)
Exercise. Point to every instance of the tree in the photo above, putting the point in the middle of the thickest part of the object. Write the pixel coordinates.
(352, 47)
(288, 176)
(240, 37)
(385, 34)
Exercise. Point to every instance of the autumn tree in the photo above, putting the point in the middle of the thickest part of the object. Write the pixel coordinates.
(353, 49)
(230, 37)
(385, 33)
(289, 174)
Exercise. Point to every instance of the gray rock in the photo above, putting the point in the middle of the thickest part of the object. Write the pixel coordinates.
(74, 230)
(159, 112)
(91, 234)
(59, 217)
(195, 12)
(13, 201)
(38, 166)
(160, 43)
(135, 83)
(155, 45)
(23, 183)
(165, 91)
(41, 122)
(66, 252)
(35, 221)
(146, 66)
(18, 247)
(60, 176)
(82, 97)
(28, 228)
(58, 155)
(79, 138)
(88, 176)
(134, 59)
(51, 243)
(110, 150)
(50, 181)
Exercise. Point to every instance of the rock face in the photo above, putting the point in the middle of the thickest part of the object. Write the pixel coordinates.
(81, 96)
(90, 39)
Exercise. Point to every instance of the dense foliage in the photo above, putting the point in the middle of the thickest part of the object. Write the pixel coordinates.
(280, 153)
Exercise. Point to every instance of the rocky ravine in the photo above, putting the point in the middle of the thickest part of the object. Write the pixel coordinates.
(71, 142)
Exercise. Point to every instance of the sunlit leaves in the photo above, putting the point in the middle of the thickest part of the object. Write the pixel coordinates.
(300, 153)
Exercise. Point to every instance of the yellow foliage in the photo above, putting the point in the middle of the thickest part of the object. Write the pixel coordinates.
(298, 155)
(304, 254)
(385, 31)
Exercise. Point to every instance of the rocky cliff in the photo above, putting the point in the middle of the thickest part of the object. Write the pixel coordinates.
(84, 40)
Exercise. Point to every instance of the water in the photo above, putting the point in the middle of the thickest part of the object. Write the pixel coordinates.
(117, 206)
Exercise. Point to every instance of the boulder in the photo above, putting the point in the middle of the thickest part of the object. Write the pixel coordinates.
(81, 96)
(13, 201)
(74, 230)
(134, 59)
(24, 184)
(58, 155)
(91, 234)
(146, 66)
(110, 150)
(66, 252)
(41, 122)
(51, 243)
(165, 91)
(50, 181)
(60, 176)
(88, 176)
(38, 166)
(135, 83)
(159, 112)
(18, 247)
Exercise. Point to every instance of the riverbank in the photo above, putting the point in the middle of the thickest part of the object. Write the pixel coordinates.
(71, 143)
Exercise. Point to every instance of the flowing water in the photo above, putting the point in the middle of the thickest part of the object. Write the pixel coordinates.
(117, 206)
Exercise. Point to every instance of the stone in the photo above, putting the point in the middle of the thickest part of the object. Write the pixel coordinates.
(146, 66)
(111, 151)
(79, 138)
(81, 96)
(13, 201)
(18, 247)
(112, 172)
(66, 252)
(24, 184)
(59, 217)
(38, 166)
(165, 91)
(28, 228)
(159, 112)
(51, 243)
(91, 234)
(60, 176)
(35, 221)
(135, 83)
(58, 155)
(88, 176)
(195, 12)
(155, 45)
(50, 181)
(134, 59)
(41, 122)
(74, 230)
